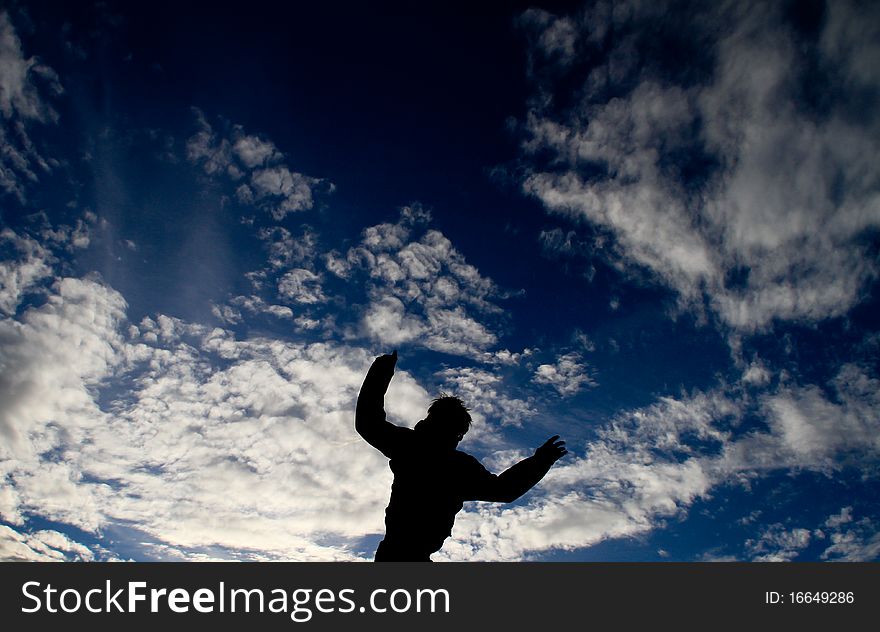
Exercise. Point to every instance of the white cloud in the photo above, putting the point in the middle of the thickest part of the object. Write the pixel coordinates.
(845, 539)
(19, 95)
(809, 430)
(301, 286)
(422, 290)
(852, 540)
(583, 341)
(204, 147)
(844, 517)
(10, 504)
(286, 250)
(24, 85)
(486, 394)
(286, 190)
(171, 422)
(756, 374)
(55, 354)
(254, 305)
(387, 321)
(778, 544)
(226, 313)
(642, 469)
(270, 183)
(76, 237)
(567, 375)
(21, 274)
(777, 229)
(254, 151)
(281, 311)
(199, 440)
(651, 464)
(41, 546)
(289, 277)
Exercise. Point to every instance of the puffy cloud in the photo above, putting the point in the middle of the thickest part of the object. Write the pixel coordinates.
(78, 236)
(154, 426)
(421, 290)
(844, 517)
(845, 539)
(285, 249)
(22, 272)
(387, 320)
(301, 286)
(289, 277)
(213, 153)
(851, 540)
(568, 375)
(292, 266)
(157, 428)
(756, 374)
(268, 182)
(778, 544)
(728, 180)
(54, 358)
(54, 355)
(253, 151)
(286, 190)
(10, 504)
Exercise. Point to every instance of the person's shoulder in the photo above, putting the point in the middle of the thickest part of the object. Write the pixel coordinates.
(399, 440)
(466, 460)
(405, 434)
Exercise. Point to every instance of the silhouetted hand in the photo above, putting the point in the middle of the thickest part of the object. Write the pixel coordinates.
(552, 450)
(384, 364)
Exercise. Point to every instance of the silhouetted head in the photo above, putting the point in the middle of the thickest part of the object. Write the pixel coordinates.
(447, 422)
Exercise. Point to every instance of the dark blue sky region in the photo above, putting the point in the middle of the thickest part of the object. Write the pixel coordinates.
(652, 230)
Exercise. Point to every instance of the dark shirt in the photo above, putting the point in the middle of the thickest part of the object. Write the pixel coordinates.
(430, 487)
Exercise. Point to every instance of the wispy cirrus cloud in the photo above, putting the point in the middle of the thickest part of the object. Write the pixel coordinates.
(26, 87)
(650, 464)
(852, 539)
(491, 403)
(738, 179)
(46, 545)
(844, 537)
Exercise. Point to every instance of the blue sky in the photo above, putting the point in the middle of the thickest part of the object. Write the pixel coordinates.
(652, 230)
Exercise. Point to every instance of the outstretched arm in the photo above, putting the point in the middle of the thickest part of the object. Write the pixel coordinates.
(369, 418)
(520, 478)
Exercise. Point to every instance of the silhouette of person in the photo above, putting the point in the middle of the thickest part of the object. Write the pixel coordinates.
(432, 479)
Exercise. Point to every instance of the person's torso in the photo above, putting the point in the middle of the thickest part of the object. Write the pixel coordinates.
(428, 491)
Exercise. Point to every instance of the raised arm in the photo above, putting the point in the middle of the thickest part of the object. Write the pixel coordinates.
(369, 418)
(520, 478)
